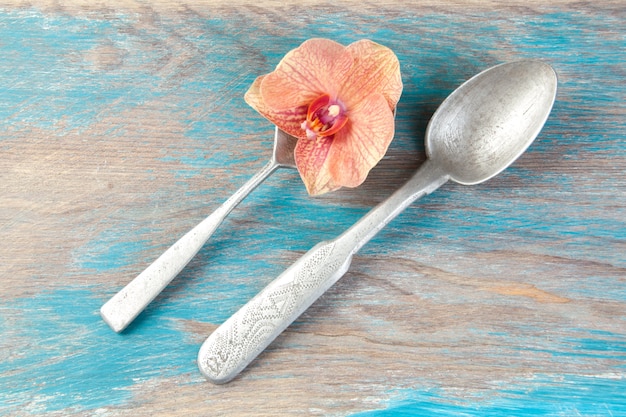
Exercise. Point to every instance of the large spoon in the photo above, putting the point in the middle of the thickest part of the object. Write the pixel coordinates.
(479, 130)
(131, 300)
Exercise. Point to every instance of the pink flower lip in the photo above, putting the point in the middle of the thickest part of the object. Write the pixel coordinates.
(325, 117)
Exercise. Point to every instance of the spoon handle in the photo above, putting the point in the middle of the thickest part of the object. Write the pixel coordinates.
(131, 300)
(234, 344)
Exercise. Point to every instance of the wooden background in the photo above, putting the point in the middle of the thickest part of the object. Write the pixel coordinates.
(122, 124)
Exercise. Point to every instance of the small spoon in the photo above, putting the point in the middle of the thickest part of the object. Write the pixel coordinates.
(479, 130)
(131, 300)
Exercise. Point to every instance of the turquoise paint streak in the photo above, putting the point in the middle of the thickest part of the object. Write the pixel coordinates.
(70, 360)
(111, 252)
(47, 79)
(544, 395)
(76, 338)
(585, 394)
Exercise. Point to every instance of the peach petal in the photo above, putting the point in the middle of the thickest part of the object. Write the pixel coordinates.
(311, 160)
(253, 96)
(289, 120)
(357, 148)
(316, 67)
(365, 77)
(376, 69)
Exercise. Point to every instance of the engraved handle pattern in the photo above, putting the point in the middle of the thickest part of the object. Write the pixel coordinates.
(242, 337)
(233, 345)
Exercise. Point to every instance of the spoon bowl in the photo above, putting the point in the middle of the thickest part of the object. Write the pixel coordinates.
(509, 105)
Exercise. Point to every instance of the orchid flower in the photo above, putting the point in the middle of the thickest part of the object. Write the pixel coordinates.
(339, 101)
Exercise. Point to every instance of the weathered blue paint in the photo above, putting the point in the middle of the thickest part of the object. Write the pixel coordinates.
(48, 83)
(110, 253)
(71, 361)
(61, 330)
(544, 395)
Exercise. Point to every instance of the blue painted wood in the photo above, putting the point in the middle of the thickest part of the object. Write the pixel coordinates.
(122, 127)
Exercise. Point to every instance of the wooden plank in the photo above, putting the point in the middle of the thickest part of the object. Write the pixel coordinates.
(122, 125)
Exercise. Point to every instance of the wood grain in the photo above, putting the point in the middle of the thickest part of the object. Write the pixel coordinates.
(122, 124)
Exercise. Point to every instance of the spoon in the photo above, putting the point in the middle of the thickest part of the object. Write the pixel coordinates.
(479, 130)
(131, 300)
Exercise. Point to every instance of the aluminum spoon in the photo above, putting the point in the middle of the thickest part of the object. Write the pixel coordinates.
(479, 130)
(131, 300)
